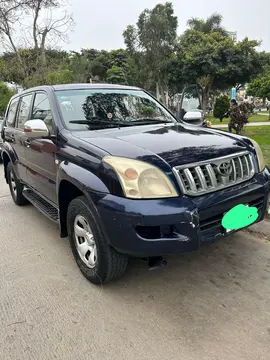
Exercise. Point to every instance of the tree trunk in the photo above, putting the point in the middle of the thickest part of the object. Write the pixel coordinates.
(161, 93)
(157, 91)
(205, 97)
(43, 62)
(35, 31)
(167, 96)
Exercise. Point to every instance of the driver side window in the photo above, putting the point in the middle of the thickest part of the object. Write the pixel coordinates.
(42, 110)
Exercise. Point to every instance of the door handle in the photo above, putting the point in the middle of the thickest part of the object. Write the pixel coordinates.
(27, 143)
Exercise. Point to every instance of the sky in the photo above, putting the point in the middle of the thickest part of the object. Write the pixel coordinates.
(100, 23)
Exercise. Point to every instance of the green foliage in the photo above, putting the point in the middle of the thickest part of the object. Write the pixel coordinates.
(28, 74)
(221, 106)
(212, 23)
(59, 77)
(146, 110)
(260, 87)
(5, 95)
(116, 75)
(215, 62)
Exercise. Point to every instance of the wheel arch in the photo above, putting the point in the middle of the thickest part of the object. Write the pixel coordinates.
(6, 159)
(72, 182)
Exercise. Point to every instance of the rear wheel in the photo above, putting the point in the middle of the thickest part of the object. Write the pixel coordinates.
(96, 259)
(15, 186)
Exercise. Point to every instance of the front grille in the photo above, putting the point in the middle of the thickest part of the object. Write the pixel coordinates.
(214, 222)
(212, 175)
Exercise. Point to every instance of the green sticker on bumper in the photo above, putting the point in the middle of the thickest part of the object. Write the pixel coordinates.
(239, 217)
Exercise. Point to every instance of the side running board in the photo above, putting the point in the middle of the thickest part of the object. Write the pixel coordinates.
(42, 205)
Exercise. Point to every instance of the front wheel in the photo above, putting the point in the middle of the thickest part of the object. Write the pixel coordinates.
(15, 186)
(96, 259)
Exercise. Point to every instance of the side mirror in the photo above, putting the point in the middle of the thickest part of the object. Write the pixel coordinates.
(35, 129)
(194, 117)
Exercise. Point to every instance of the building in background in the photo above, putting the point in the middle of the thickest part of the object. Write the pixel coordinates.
(233, 35)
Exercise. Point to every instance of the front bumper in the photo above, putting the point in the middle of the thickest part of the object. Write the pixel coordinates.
(160, 227)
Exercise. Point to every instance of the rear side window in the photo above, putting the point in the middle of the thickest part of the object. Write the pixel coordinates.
(11, 114)
(24, 110)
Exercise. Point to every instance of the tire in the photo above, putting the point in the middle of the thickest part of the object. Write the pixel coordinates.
(15, 187)
(96, 259)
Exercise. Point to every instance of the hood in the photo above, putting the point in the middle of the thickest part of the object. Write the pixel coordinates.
(175, 144)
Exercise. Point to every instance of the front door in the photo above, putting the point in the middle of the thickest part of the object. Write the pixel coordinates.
(14, 134)
(40, 153)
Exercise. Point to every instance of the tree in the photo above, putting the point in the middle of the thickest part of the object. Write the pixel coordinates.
(215, 62)
(244, 64)
(151, 42)
(44, 30)
(79, 65)
(260, 87)
(222, 105)
(116, 75)
(5, 95)
(212, 23)
(29, 75)
(59, 77)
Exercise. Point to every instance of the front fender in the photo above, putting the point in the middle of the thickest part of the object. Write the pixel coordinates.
(82, 178)
(8, 152)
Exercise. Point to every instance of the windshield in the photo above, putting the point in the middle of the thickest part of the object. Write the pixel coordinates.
(107, 108)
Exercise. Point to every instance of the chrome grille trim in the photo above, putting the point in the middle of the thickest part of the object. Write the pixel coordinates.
(201, 178)
(212, 175)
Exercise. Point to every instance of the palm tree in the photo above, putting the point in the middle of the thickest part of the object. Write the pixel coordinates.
(212, 23)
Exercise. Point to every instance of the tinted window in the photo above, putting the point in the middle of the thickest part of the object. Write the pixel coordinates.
(106, 108)
(24, 108)
(12, 112)
(42, 109)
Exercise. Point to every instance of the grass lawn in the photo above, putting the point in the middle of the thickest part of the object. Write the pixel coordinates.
(261, 134)
(253, 118)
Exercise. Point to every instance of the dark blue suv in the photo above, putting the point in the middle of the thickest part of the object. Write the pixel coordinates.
(122, 176)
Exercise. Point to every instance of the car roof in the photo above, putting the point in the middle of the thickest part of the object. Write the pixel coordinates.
(79, 86)
(92, 86)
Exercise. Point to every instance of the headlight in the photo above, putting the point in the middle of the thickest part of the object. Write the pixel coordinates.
(259, 154)
(141, 180)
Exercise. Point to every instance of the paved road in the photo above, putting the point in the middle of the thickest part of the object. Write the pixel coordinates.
(213, 304)
(250, 124)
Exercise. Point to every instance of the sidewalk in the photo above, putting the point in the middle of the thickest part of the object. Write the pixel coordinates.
(223, 126)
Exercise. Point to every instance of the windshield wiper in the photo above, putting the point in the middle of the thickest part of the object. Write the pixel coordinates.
(152, 120)
(96, 122)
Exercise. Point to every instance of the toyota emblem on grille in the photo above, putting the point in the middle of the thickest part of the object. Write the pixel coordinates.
(225, 169)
